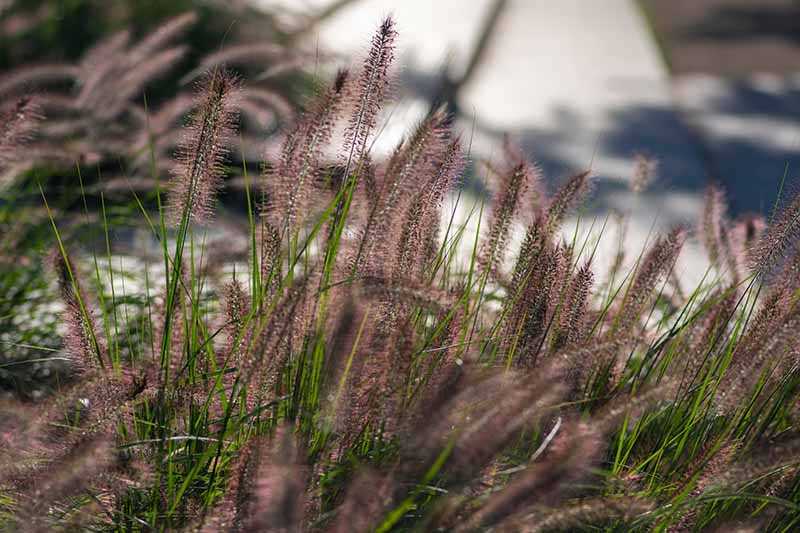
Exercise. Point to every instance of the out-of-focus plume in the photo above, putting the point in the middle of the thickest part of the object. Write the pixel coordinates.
(197, 174)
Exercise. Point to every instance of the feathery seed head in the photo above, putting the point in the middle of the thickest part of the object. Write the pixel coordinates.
(17, 124)
(73, 471)
(411, 168)
(422, 218)
(778, 240)
(292, 178)
(644, 172)
(714, 229)
(373, 83)
(278, 486)
(515, 183)
(572, 193)
(198, 171)
(82, 337)
(570, 328)
(653, 267)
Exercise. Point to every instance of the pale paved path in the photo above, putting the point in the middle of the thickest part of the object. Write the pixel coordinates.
(573, 81)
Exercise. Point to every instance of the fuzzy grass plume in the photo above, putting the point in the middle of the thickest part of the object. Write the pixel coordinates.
(197, 175)
(351, 370)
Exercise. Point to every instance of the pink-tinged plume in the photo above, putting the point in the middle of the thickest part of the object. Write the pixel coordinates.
(197, 174)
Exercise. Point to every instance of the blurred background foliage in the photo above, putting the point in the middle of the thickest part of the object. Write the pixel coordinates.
(92, 211)
(37, 31)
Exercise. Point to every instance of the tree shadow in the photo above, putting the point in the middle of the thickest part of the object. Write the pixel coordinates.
(749, 167)
(653, 131)
(742, 98)
(752, 165)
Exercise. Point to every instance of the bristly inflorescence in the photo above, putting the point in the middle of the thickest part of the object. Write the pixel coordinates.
(570, 328)
(82, 338)
(198, 173)
(370, 92)
(100, 110)
(237, 307)
(778, 241)
(715, 232)
(421, 222)
(570, 195)
(412, 163)
(266, 492)
(290, 181)
(644, 172)
(515, 181)
(360, 373)
(17, 124)
(652, 268)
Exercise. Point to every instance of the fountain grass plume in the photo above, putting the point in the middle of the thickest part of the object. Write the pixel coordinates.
(291, 180)
(19, 122)
(369, 93)
(353, 370)
(515, 183)
(198, 172)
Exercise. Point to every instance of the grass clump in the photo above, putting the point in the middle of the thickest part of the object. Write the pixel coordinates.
(359, 373)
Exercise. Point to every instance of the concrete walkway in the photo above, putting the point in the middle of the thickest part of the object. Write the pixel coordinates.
(575, 82)
(571, 80)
